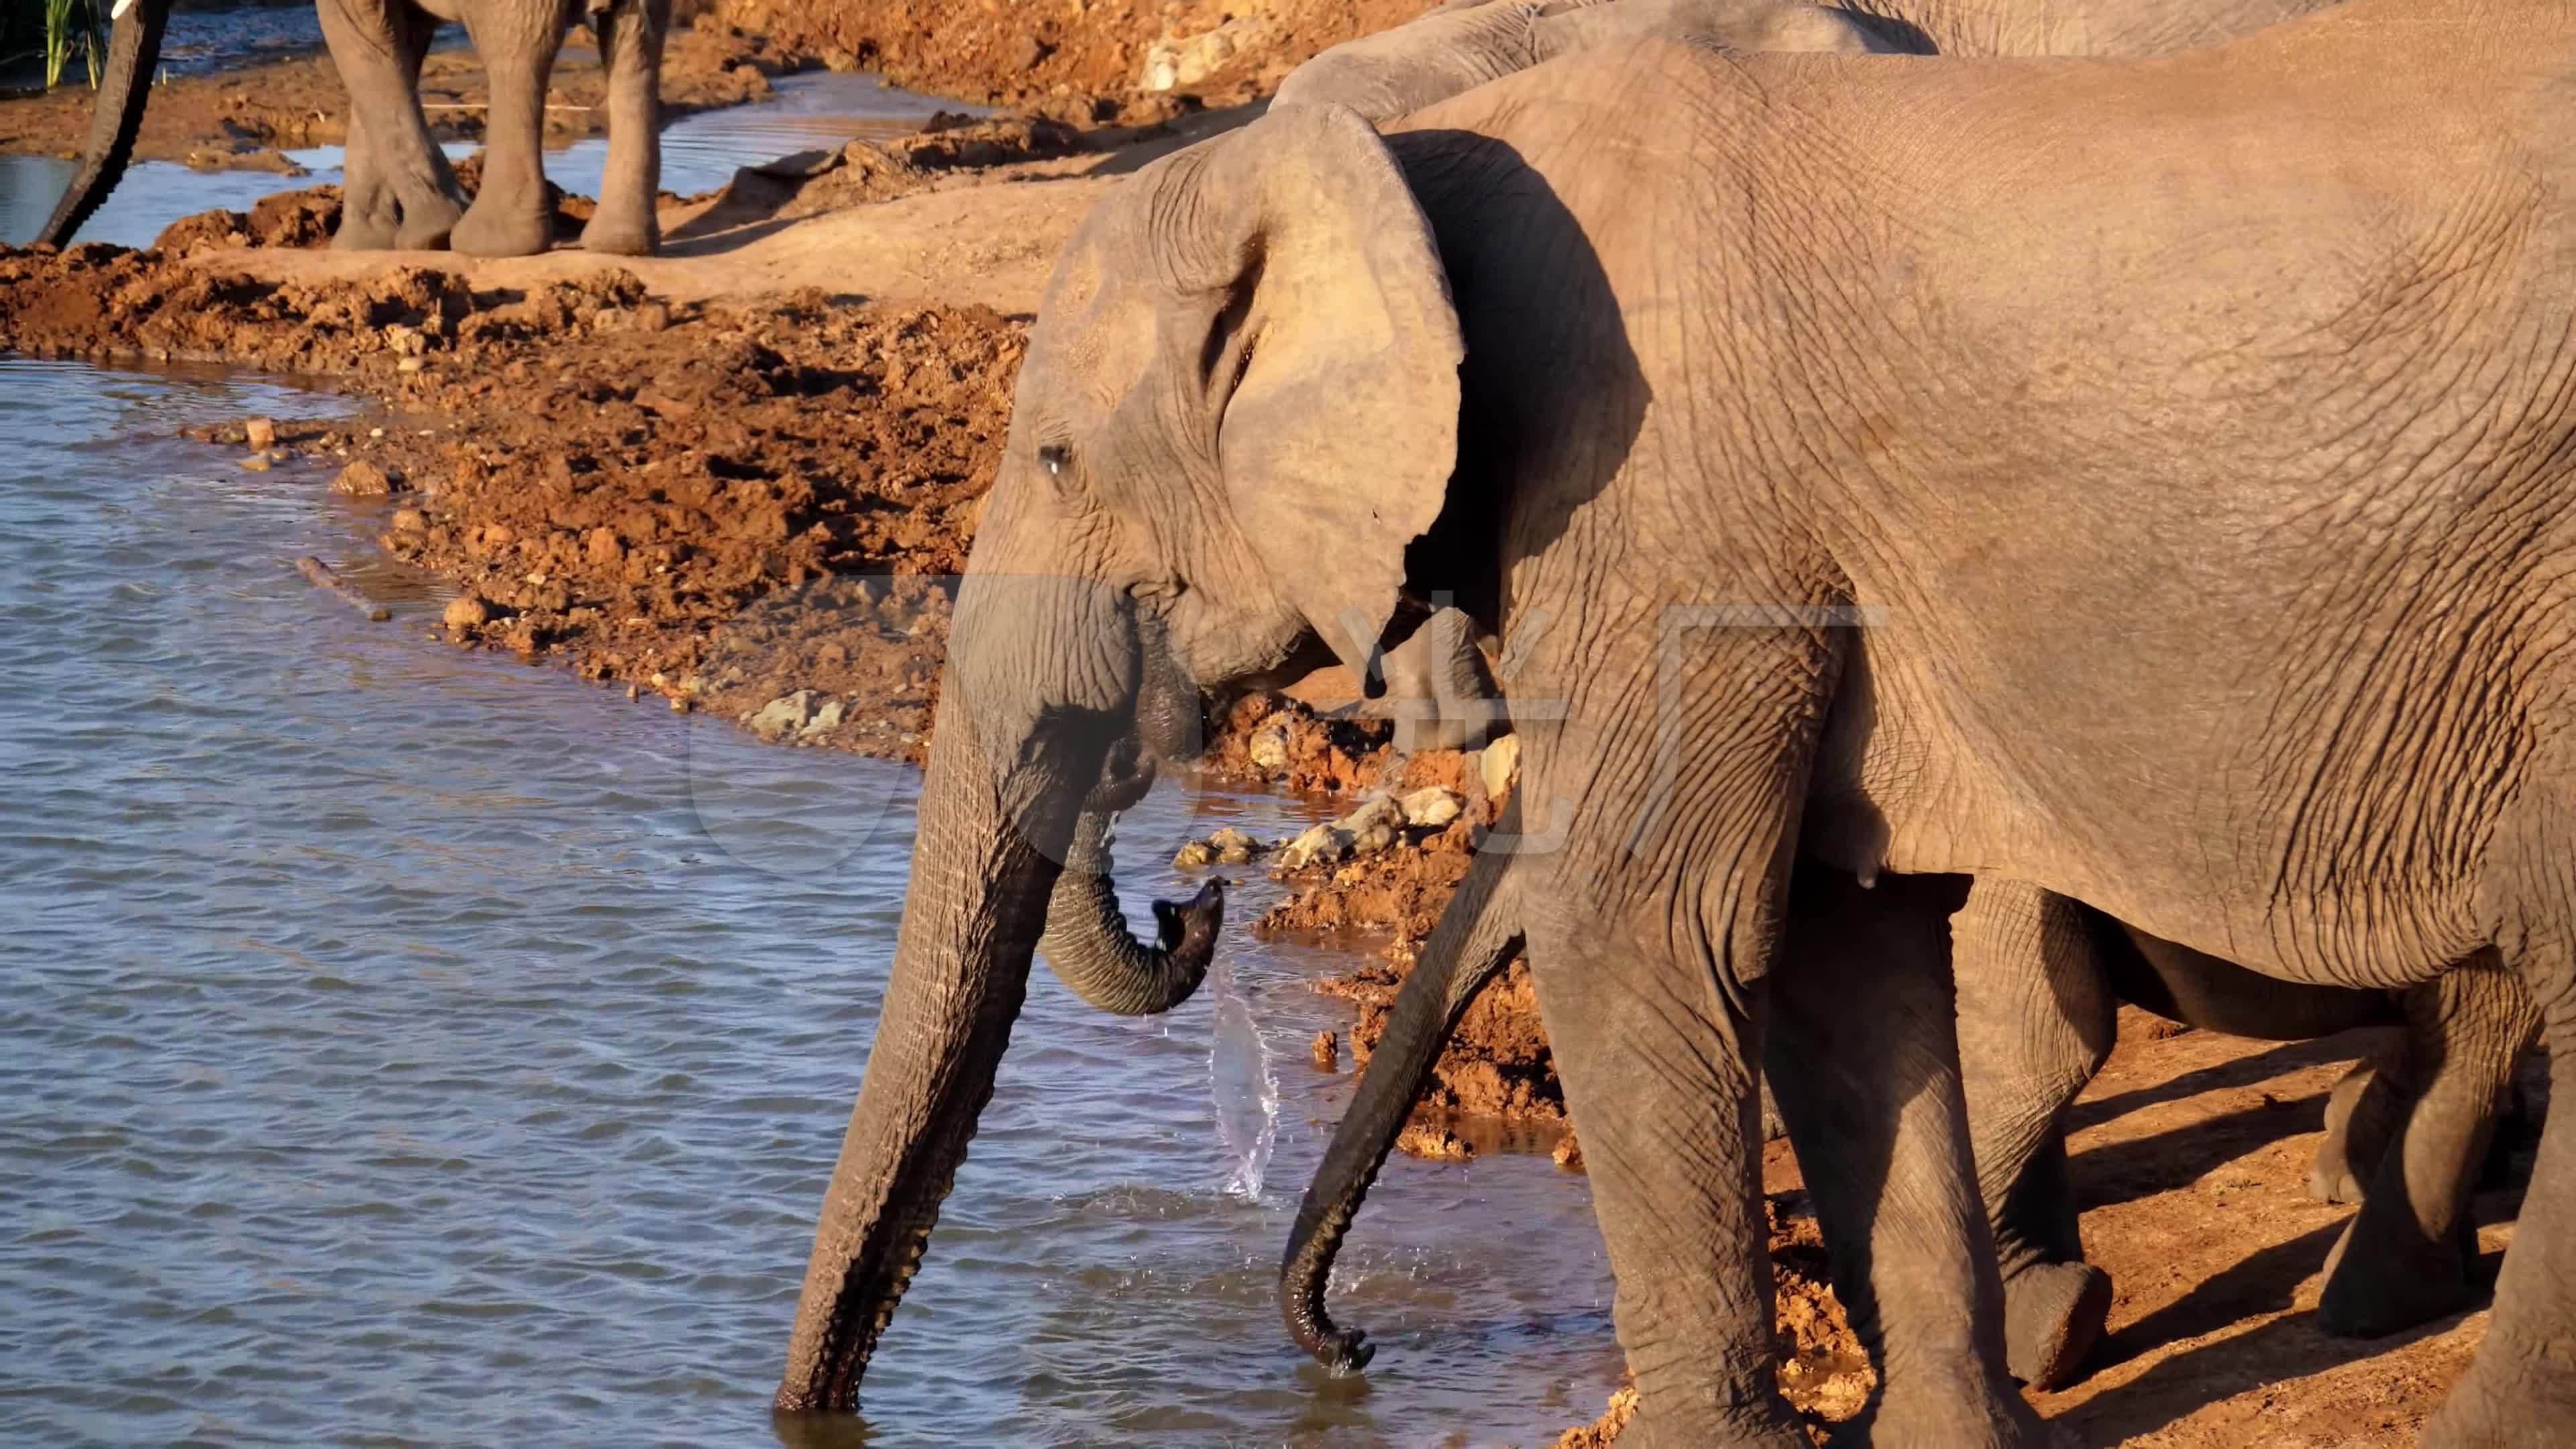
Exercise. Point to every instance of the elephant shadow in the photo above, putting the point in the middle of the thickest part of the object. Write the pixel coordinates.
(2289, 1347)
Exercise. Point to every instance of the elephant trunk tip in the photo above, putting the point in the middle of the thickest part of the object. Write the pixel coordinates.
(1343, 1351)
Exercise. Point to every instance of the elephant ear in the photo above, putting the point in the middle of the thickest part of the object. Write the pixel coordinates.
(1333, 356)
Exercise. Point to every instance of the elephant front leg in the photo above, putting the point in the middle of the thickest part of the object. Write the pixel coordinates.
(1863, 1056)
(630, 43)
(1660, 1082)
(2405, 1257)
(397, 189)
(511, 216)
(2035, 1022)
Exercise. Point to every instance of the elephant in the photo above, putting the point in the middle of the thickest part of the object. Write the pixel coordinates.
(2038, 978)
(1460, 46)
(398, 189)
(2087, 502)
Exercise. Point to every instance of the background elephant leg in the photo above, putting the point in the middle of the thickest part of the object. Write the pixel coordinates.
(1437, 687)
(630, 42)
(2036, 1020)
(2405, 1257)
(398, 189)
(511, 216)
(1864, 1062)
(2364, 1113)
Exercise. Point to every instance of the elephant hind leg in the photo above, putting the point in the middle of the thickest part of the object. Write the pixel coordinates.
(2405, 1258)
(2521, 1388)
(2036, 1021)
(630, 45)
(2365, 1112)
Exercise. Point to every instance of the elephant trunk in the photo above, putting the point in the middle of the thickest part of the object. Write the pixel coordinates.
(992, 824)
(1477, 937)
(133, 53)
(1088, 946)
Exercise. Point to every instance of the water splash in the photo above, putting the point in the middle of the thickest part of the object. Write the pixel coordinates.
(1244, 1087)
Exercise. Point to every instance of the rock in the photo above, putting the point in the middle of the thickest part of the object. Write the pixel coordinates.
(466, 612)
(1569, 1152)
(1193, 855)
(1326, 1053)
(1321, 845)
(602, 545)
(408, 364)
(255, 463)
(1499, 764)
(260, 434)
(1268, 747)
(362, 479)
(1233, 847)
(1430, 807)
(826, 718)
(1437, 1143)
(786, 715)
(652, 317)
(410, 520)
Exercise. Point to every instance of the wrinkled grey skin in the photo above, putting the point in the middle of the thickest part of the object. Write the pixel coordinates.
(398, 189)
(1458, 47)
(116, 117)
(2196, 588)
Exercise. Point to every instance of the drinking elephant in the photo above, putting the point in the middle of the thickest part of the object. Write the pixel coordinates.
(2038, 978)
(397, 189)
(2095, 502)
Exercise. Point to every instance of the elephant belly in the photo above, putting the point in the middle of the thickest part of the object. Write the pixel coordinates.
(2180, 984)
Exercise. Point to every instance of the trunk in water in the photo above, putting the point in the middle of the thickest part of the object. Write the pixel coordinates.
(1477, 936)
(982, 870)
(133, 53)
(1088, 946)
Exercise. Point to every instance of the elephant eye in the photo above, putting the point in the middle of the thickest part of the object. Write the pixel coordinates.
(1055, 458)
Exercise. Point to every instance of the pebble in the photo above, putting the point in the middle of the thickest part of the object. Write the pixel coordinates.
(409, 520)
(634, 691)
(260, 433)
(256, 463)
(1326, 1053)
(466, 612)
(408, 364)
(652, 317)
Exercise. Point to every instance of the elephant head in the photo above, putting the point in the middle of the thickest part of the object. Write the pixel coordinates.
(133, 53)
(1240, 406)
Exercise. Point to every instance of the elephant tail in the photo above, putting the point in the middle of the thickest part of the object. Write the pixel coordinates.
(133, 53)
(1478, 935)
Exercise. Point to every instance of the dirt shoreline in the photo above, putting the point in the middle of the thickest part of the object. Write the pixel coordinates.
(738, 476)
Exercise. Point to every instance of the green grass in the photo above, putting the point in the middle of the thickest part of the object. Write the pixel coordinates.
(55, 30)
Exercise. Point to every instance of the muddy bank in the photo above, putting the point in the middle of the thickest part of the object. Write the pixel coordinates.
(1088, 61)
(246, 117)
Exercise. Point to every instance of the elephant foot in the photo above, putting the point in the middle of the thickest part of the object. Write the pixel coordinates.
(2389, 1287)
(1902, 1421)
(2364, 1113)
(1746, 1412)
(2053, 1316)
(370, 230)
(622, 236)
(2507, 1400)
(488, 231)
(427, 226)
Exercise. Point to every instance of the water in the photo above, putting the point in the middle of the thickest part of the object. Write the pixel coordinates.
(398, 1042)
(700, 152)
